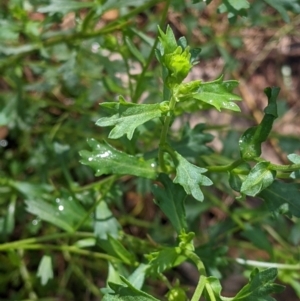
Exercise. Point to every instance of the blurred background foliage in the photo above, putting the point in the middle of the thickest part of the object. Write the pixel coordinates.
(58, 61)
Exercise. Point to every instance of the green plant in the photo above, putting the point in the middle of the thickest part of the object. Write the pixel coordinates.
(176, 177)
(65, 233)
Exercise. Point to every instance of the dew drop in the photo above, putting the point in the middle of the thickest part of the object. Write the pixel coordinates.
(90, 159)
(35, 222)
(60, 207)
(3, 143)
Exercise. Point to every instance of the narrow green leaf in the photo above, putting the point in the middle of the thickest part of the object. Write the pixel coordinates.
(18, 49)
(134, 51)
(218, 94)
(126, 117)
(64, 6)
(190, 177)
(250, 142)
(259, 178)
(282, 197)
(105, 159)
(171, 201)
(115, 248)
(45, 270)
(61, 214)
(260, 286)
(278, 5)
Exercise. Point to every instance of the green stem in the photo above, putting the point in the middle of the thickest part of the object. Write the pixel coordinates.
(196, 260)
(19, 244)
(224, 168)
(164, 134)
(285, 168)
(71, 249)
(199, 289)
(263, 264)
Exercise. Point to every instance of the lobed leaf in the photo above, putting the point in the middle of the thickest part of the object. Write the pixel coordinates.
(105, 159)
(190, 177)
(164, 259)
(260, 287)
(250, 142)
(171, 201)
(126, 117)
(259, 178)
(218, 94)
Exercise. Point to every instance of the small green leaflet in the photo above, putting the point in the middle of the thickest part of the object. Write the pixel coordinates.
(259, 288)
(259, 178)
(126, 117)
(105, 223)
(127, 293)
(189, 176)
(45, 270)
(171, 201)
(219, 94)
(105, 159)
(250, 142)
(167, 40)
(239, 4)
(282, 197)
